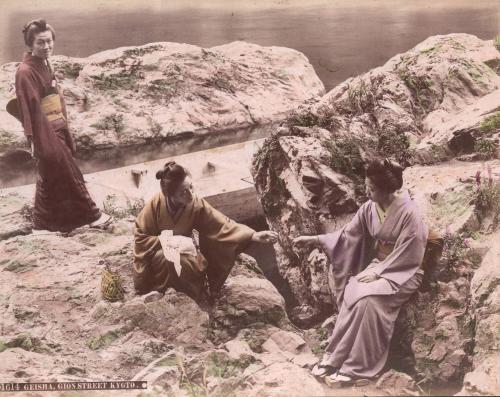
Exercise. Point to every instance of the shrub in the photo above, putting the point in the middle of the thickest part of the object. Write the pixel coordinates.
(112, 122)
(490, 124)
(133, 207)
(485, 148)
(487, 197)
(117, 81)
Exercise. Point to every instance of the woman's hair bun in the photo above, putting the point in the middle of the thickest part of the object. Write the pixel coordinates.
(172, 175)
(386, 174)
(159, 174)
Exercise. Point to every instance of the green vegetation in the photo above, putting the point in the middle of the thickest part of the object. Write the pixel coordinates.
(485, 148)
(161, 89)
(418, 85)
(361, 97)
(487, 199)
(102, 341)
(118, 102)
(111, 122)
(117, 81)
(137, 52)
(451, 205)
(155, 127)
(455, 251)
(455, 44)
(395, 145)
(6, 139)
(324, 117)
(490, 124)
(262, 156)
(70, 70)
(220, 365)
(302, 119)
(253, 267)
(133, 207)
(432, 49)
(255, 339)
(345, 158)
(322, 333)
(494, 64)
(496, 42)
(26, 212)
(167, 362)
(24, 341)
(221, 81)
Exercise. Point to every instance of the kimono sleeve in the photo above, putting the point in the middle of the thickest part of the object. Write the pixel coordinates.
(221, 240)
(146, 233)
(347, 247)
(215, 226)
(408, 253)
(28, 99)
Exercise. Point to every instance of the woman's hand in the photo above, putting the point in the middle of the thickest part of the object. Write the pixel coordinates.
(32, 147)
(305, 241)
(266, 236)
(367, 276)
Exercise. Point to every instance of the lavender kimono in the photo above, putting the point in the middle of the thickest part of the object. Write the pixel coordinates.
(393, 248)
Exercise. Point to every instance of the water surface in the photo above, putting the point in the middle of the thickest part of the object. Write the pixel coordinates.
(341, 38)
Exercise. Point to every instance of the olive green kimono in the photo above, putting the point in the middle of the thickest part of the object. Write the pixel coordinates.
(221, 240)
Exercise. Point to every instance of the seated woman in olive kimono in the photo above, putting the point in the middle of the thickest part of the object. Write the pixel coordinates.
(176, 208)
(375, 264)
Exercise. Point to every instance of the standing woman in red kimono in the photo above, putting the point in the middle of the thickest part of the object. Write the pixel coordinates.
(62, 201)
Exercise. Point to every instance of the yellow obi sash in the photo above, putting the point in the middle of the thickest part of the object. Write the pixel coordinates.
(51, 106)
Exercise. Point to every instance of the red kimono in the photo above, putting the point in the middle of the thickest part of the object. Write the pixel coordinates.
(62, 201)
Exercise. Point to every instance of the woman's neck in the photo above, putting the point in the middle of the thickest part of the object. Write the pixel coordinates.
(387, 201)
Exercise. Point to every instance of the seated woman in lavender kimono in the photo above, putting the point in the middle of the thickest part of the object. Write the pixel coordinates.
(375, 263)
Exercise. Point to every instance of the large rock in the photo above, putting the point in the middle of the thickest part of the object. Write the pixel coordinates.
(309, 178)
(133, 96)
(485, 287)
(309, 174)
(246, 299)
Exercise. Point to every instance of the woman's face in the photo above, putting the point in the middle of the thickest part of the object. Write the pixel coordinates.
(373, 192)
(43, 44)
(184, 193)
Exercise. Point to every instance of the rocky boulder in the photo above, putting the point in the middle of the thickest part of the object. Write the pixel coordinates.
(132, 96)
(309, 177)
(485, 292)
(309, 173)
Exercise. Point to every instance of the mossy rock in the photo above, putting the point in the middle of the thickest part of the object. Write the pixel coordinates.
(103, 341)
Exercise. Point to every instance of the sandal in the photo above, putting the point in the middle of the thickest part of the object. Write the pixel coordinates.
(321, 371)
(339, 380)
(103, 220)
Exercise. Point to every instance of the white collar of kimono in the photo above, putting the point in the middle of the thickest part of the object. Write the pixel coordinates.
(401, 197)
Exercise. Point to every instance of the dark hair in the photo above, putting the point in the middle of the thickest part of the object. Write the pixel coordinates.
(385, 174)
(172, 175)
(34, 27)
